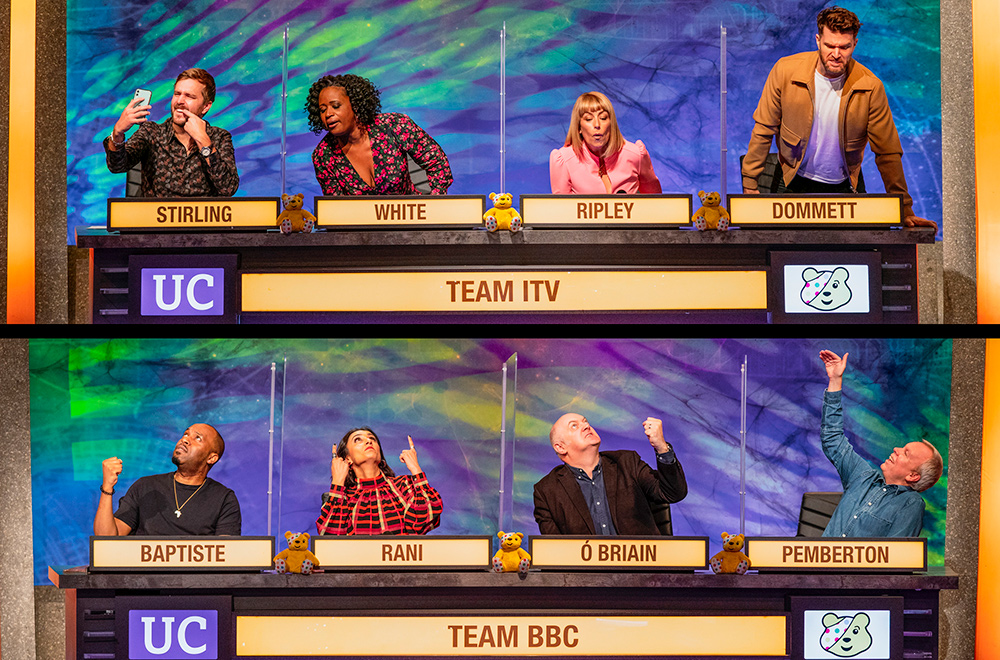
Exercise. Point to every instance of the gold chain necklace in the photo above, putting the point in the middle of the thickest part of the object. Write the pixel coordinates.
(177, 511)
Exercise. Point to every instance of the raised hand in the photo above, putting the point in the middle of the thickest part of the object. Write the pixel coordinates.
(835, 366)
(409, 457)
(112, 468)
(132, 114)
(339, 469)
(653, 428)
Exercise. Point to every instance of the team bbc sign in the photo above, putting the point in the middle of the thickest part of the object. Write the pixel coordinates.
(173, 634)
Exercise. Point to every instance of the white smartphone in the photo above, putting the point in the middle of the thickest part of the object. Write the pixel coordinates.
(145, 95)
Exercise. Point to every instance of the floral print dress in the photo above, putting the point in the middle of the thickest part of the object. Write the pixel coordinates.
(392, 136)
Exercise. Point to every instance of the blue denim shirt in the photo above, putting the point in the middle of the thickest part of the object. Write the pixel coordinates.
(869, 507)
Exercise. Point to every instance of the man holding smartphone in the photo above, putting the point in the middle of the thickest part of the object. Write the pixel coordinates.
(183, 156)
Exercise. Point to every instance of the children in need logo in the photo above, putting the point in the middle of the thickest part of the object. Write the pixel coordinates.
(846, 636)
(826, 290)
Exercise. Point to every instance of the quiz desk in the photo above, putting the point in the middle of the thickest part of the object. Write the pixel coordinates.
(413, 263)
(96, 604)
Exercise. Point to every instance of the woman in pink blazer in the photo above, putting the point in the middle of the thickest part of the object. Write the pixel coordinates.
(596, 158)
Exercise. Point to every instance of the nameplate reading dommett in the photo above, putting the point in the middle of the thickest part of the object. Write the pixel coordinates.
(619, 552)
(170, 214)
(403, 552)
(157, 554)
(839, 211)
(363, 212)
(605, 210)
(866, 555)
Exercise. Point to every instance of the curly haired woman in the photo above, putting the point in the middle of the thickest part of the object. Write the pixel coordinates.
(364, 151)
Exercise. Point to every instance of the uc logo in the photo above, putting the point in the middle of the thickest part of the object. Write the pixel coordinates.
(182, 291)
(173, 634)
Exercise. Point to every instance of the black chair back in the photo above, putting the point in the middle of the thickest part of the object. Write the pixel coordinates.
(815, 512)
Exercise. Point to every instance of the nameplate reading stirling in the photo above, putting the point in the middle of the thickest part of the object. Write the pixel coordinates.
(646, 553)
(396, 211)
(459, 553)
(478, 291)
(567, 636)
(840, 555)
(185, 214)
(158, 554)
(833, 211)
(603, 211)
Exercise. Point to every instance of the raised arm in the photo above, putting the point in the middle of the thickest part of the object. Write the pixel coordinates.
(105, 523)
(835, 444)
(669, 482)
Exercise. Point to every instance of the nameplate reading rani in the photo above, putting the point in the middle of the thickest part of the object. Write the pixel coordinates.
(605, 210)
(184, 214)
(619, 552)
(365, 212)
(842, 555)
(731, 636)
(157, 554)
(838, 211)
(403, 552)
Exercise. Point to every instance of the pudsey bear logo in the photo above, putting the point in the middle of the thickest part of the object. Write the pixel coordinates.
(826, 290)
(847, 636)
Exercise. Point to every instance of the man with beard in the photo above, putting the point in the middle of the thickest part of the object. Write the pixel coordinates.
(184, 502)
(183, 156)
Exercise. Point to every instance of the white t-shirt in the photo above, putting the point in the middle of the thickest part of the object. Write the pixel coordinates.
(824, 160)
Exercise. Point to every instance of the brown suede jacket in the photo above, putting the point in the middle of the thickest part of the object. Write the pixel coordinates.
(786, 111)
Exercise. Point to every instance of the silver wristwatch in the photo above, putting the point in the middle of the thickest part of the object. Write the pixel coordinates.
(206, 151)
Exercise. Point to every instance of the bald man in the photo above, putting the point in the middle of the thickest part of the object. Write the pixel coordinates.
(609, 492)
(180, 503)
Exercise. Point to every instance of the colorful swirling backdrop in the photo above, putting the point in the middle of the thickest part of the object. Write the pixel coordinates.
(439, 61)
(91, 399)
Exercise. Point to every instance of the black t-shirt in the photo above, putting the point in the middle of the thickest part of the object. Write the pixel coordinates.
(148, 508)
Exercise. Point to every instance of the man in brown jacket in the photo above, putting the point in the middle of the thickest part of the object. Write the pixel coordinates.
(823, 108)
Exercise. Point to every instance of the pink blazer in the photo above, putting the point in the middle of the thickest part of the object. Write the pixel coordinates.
(630, 170)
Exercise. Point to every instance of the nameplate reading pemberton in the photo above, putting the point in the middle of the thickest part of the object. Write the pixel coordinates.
(403, 552)
(842, 555)
(619, 552)
(184, 214)
(839, 211)
(365, 212)
(175, 553)
(605, 210)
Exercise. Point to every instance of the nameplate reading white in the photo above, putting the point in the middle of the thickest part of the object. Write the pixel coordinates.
(838, 554)
(364, 212)
(193, 213)
(403, 552)
(619, 552)
(172, 553)
(605, 210)
(843, 211)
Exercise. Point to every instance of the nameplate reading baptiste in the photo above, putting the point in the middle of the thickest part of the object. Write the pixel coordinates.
(193, 214)
(604, 210)
(838, 554)
(403, 552)
(401, 210)
(814, 210)
(172, 553)
(619, 552)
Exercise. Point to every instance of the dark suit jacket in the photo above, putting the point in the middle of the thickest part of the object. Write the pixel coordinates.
(632, 488)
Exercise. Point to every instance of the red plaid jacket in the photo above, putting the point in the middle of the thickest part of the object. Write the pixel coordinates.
(399, 505)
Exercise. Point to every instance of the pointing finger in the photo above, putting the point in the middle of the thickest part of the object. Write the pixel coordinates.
(411, 442)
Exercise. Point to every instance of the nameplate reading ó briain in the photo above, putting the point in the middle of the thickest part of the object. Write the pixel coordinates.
(866, 555)
(171, 214)
(619, 552)
(403, 552)
(844, 211)
(605, 210)
(365, 212)
(173, 553)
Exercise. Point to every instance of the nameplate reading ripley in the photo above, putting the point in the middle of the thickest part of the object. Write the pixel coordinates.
(838, 211)
(403, 552)
(842, 555)
(647, 553)
(184, 214)
(357, 212)
(157, 554)
(605, 210)
(721, 636)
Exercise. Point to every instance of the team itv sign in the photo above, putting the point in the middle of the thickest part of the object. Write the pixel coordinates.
(173, 634)
(182, 289)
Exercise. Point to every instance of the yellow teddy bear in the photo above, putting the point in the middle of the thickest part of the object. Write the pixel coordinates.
(296, 558)
(502, 216)
(294, 217)
(510, 557)
(710, 215)
(731, 558)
